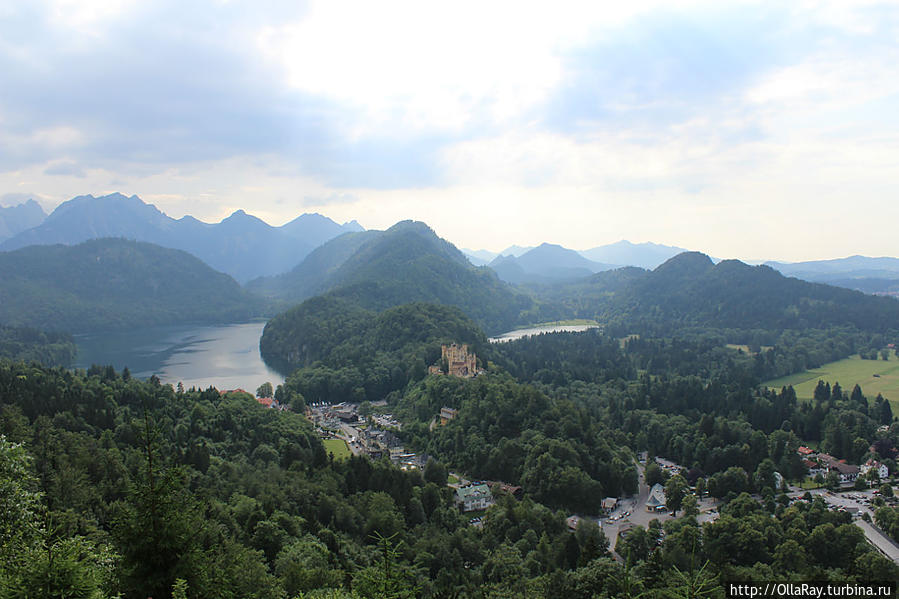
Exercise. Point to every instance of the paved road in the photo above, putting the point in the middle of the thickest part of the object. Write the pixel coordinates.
(879, 540)
(843, 498)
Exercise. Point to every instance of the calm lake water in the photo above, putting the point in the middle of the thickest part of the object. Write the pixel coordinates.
(222, 356)
(518, 334)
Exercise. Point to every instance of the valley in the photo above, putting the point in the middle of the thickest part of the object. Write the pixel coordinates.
(629, 362)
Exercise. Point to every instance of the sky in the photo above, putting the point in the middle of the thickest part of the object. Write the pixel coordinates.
(755, 130)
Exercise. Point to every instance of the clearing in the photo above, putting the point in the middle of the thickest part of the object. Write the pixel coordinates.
(873, 376)
(338, 448)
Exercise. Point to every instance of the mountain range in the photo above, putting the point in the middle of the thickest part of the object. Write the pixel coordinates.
(406, 263)
(247, 248)
(241, 245)
(544, 264)
(15, 219)
(692, 290)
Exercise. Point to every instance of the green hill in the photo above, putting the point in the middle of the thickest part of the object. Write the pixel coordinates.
(113, 283)
(690, 290)
(406, 263)
(346, 352)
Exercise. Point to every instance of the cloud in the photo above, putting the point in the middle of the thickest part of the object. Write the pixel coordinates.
(331, 200)
(363, 107)
(65, 168)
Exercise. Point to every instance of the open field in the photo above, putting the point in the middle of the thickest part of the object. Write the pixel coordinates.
(874, 376)
(338, 448)
(565, 323)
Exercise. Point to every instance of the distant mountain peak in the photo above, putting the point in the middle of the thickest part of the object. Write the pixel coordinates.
(242, 245)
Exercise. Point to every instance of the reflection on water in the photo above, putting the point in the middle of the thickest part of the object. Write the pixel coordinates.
(518, 334)
(223, 356)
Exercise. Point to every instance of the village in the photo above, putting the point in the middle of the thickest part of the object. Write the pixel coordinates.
(366, 429)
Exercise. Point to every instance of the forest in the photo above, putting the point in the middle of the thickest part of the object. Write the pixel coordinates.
(136, 488)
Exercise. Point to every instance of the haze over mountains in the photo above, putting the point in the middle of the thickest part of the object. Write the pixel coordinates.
(16, 219)
(544, 264)
(247, 248)
(241, 245)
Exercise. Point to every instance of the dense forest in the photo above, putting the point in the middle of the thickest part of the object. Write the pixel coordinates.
(119, 487)
(689, 290)
(343, 352)
(31, 345)
(135, 488)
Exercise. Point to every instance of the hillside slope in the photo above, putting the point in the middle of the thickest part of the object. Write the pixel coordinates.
(113, 283)
(406, 263)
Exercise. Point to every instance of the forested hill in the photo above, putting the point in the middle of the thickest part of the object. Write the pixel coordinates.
(113, 283)
(310, 276)
(345, 352)
(406, 263)
(690, 290)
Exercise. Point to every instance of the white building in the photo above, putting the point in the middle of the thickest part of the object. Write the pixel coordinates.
(474, 497)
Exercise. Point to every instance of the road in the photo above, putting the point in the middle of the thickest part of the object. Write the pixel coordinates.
(879, 540)
(847, 499)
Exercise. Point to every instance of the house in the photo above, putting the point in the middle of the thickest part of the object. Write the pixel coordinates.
(572, 522)
(805, 451)
(514, 490)
(656, 500)
(848, 473)
(609, 503)
(447, 414)
(814, 468)
(881, 469)
(474, 496)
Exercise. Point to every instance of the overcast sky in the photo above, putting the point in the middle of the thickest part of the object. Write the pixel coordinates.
(749, 130)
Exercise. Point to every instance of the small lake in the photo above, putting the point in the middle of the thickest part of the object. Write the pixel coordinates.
(222, 356)
(519, 333)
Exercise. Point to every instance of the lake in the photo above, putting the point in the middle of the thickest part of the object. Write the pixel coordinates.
(222, 356)
(519, 333)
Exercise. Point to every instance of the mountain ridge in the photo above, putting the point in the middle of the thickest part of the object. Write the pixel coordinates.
(241, 245)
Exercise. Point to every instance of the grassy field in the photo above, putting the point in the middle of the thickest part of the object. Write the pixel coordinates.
(873, 376)
(565, 323)
(338, 448)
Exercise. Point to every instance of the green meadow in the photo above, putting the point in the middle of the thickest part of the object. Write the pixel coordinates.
(873, 376)
(338, 447)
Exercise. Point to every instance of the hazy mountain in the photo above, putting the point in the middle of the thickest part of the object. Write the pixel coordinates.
(515, 250)
(406, 263)
(113, 283)
(311, 276)
(15, 219)
(545, 263)
(479, 257)
(242, 245)
(625, 253)
(870, 275)
(691, 290)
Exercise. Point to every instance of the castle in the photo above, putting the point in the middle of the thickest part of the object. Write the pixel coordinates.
(459, 362)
